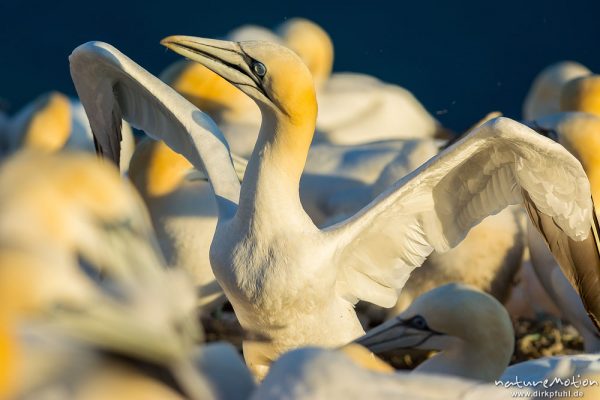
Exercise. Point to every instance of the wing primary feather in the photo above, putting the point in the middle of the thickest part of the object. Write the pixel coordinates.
(579, 260)
(116, 137)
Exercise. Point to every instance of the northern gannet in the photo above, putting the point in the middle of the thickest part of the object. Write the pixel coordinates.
(78, 261)
(475, 339)
(182, 208)
(338, 180)
(543, 97)
(287, 279)
(86, 261)
(471, 330)
(90, 234)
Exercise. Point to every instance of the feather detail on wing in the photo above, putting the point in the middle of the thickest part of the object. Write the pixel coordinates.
(435, 206)
(113, 87)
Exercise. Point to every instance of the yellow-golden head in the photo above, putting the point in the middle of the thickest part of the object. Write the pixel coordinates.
(270, 74)
(156, 170)
(207, 90)
(582, 94)
(46, 124)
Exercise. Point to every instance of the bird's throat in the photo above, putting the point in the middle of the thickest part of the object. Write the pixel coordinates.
(272, 178)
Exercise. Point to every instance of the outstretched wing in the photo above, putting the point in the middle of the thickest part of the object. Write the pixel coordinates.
(113, 87)
(435, 206)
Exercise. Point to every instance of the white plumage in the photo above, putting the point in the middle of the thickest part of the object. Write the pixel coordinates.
(286, 278)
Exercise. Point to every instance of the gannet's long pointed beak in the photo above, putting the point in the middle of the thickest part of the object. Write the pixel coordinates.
(225, 58)
(395, 334)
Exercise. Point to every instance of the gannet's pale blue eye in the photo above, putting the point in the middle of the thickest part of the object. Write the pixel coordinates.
(418, 322)
(259, 68)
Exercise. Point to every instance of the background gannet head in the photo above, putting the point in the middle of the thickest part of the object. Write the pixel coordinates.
(44, 125)
(543, 97)
(312, 44)
(454, 319)
(270, 74)
(207, 90)
(581, 94)
(156, 170)
(578, 132)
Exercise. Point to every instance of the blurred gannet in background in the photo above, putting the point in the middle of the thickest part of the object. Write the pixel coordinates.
(287, 279)
(183, 211)
(53, 122)
(543, 97)
(581, 94)
(313, 373)
(46, 125)
(79, 265)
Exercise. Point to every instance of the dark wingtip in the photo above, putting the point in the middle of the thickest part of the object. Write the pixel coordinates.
(578, 260)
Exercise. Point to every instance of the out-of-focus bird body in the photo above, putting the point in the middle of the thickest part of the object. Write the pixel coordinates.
(183, 211)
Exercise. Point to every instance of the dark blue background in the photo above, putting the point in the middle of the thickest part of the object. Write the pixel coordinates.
(461, 59)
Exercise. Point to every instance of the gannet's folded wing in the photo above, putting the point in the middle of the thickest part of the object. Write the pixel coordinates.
(111, 86)
(435, 206)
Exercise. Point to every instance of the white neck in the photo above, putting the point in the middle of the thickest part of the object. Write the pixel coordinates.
(270, 190)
